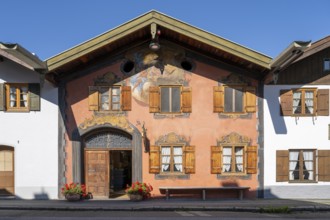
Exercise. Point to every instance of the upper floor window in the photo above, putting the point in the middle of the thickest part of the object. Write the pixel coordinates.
(19, 97)
(234, 99)
(109, 98)
(326, 64)
(302, 165)
(304, 102)
(170, 99)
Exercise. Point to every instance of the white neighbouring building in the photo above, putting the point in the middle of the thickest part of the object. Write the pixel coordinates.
(297, 123)
(28, 126)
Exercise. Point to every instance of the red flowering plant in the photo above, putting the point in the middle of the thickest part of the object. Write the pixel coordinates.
(138, 188)
(74, 189)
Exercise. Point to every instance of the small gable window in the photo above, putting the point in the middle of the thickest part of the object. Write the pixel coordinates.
(326, 64)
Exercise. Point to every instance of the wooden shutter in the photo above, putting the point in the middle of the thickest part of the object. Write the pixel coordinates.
(154, 99)
(93, 98)
(286, 102)
(282, 165)
(154, 159)
(126, 98)
(189, 159)
(2, 97)
(323, 102)
(218, 99)
(324, 165)
(250, 99)
(186, 100)
(216, 159)
(252, 160)
(34, 96)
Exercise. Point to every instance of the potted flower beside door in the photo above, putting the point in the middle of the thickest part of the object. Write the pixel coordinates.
(74, 191)
(139, 191)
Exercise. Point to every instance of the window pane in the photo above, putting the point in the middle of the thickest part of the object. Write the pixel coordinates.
(326, 66)
(308, 165)
(115, 106)
(309, 102)
(294, 165)
(296, 103)
(115, 91)
(104, 91)
(115, 98)
(13, 97)
(228, 99)
(238, 100)
(176, 99)
(239, 159)
(226, 160)
(165, 102)
(166, 158)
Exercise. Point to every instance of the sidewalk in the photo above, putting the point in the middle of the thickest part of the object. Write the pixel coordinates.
(166, 205)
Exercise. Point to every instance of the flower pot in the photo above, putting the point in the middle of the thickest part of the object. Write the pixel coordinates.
(73, 197)
(135, 197)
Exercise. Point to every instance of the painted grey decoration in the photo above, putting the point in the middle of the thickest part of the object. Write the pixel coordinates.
(108, 140)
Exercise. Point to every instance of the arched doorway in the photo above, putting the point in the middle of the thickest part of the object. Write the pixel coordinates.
(107, 162)
(7, 173)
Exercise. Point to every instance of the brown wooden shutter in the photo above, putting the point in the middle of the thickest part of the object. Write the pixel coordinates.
(93, 98)
(324, 165)
(218, 99)
(250, 100)
(282, 165)
(154, 99)
(2, 97)
(126, 98)
(216, 159)
(34, 97)
(186, 100)
(286, 102)
(252, 160)
(189, 159)
(323, 102)
(154, 159)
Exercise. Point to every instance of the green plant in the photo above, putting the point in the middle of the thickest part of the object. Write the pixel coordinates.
(74, 188)
(282, 209)
(138, 188)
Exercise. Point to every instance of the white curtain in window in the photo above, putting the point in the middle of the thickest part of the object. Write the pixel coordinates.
(166, 156)
(226, 159)
(12, 97)
(239, 159)
(308, 162)
(294, 160)
(309, 101)
(24, 96)
(178, 158)
(296, 100)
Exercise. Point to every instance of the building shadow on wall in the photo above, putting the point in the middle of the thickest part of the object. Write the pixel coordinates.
(274, 107)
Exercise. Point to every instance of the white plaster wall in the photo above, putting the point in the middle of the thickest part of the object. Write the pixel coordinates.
(283, 133)
(34, 136)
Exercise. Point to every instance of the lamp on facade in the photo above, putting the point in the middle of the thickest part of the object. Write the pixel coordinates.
(154, 44)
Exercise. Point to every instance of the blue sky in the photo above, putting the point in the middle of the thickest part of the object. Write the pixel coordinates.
(267, 26)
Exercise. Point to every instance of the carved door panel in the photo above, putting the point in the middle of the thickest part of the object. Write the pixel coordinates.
(97, 172)
(6, 172)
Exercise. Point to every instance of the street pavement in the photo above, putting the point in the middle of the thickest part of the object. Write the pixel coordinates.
(173, 204)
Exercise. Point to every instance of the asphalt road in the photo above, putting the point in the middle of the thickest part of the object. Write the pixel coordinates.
(139, 215)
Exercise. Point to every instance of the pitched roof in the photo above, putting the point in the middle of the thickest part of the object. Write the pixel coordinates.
(172, 29)
(22, 56)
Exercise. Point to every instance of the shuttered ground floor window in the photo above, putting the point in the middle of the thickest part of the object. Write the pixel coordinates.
(302, 165)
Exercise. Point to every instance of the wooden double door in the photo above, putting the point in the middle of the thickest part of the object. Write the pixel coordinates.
(99, 171)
